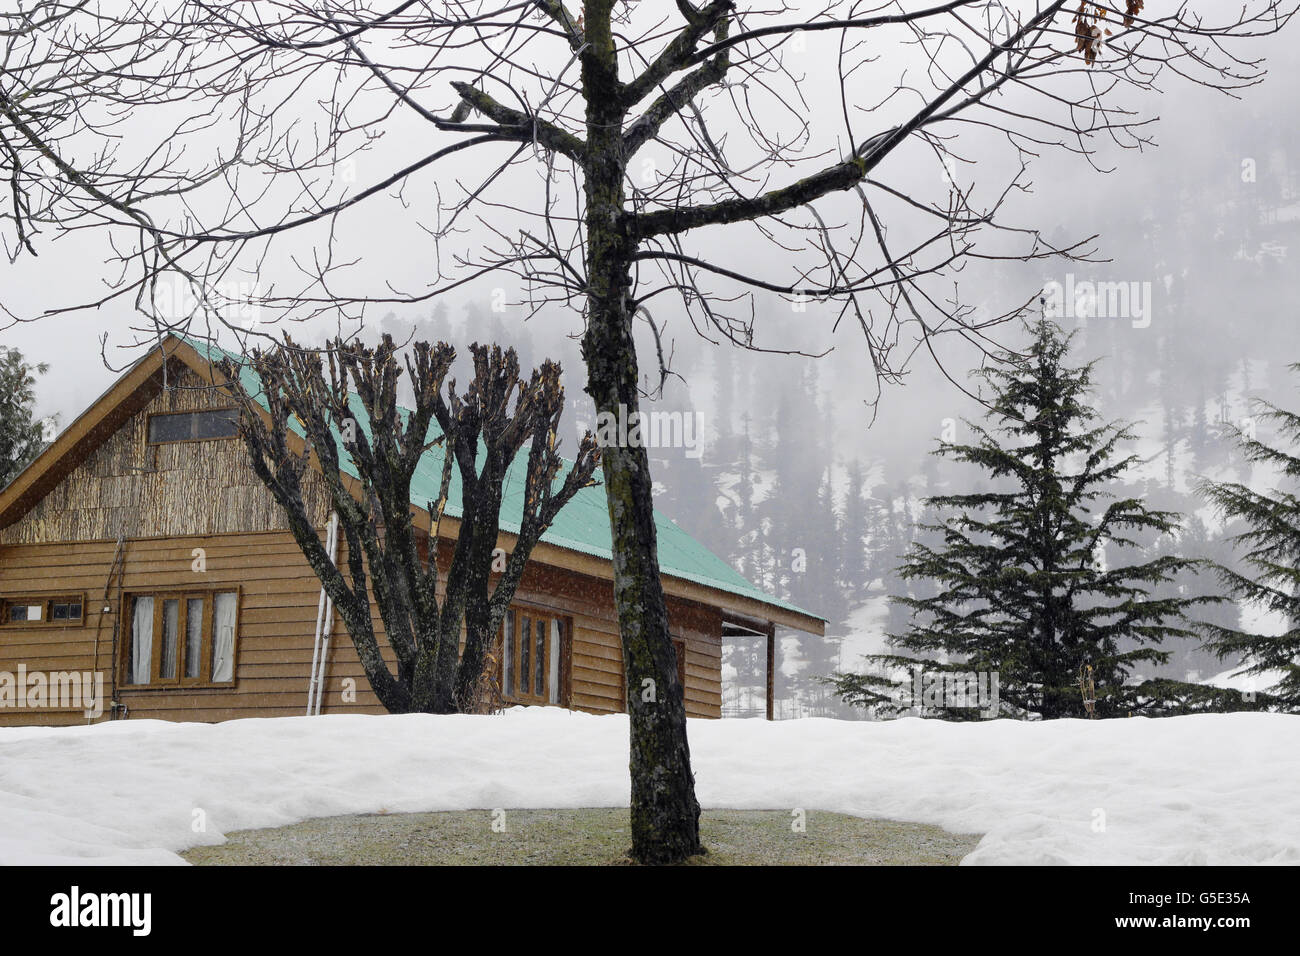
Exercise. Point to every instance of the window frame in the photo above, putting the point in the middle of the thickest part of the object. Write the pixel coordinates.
(182, 595)
(564, 658)
(148, 428)
(47, 602)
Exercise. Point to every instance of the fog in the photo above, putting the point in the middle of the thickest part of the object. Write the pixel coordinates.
(1201, 229)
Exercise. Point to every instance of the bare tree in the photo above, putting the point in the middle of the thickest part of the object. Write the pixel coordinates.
(93, 132)
(354, 406)
(636, 131)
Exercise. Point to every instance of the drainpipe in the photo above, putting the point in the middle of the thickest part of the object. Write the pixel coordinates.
(324, 620)
(325, 647)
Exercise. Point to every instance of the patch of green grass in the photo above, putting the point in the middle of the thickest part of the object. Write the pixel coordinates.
(589, 837)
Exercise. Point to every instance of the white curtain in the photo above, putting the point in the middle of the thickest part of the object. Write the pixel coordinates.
(507, 663)
(171, 620)
(194, 637)
(223, 636)
(553, 691)
(141, 640)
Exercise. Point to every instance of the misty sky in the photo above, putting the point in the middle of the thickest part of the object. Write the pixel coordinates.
(1198, 128)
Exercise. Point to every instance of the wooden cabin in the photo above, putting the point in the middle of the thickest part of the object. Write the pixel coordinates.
(140, 551)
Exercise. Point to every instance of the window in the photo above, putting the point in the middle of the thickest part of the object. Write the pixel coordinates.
(532, 658)
(61, 610)
(193, 426)
(65, 609)
(180, 638)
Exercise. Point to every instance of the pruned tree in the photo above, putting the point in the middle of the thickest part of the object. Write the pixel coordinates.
(367, 449)
(602, 153)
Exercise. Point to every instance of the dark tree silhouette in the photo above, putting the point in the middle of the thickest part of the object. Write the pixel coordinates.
(1271, 545)
(21, 434)
(1022, 589)
(346, 405)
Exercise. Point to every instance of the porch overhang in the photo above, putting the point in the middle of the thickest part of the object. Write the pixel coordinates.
(744, 626)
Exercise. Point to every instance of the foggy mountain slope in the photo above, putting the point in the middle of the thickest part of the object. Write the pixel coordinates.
(767, 484)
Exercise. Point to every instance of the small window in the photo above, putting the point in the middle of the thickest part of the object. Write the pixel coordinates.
(183, 638)
(65, 610)
(25, 612)
(193, 426)
(531, 658)
(62, 610)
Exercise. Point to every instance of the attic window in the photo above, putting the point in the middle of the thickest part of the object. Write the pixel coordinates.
(193, 426)
(65, 609)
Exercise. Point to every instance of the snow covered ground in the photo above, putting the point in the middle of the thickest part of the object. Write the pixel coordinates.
(1215, 789)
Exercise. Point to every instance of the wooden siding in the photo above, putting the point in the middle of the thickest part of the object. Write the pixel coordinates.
(168, 500)
(278, 600)
(597, 676)
(127, 486)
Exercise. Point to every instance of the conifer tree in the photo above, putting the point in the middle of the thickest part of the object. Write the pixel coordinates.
(21, 433)
(1020, 586)
(853, 567)
(747, 555)
(1269, 577)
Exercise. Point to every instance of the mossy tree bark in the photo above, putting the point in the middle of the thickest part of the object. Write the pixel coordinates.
(665, 817)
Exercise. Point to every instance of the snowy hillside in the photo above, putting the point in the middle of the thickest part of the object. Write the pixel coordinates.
(1222, 789)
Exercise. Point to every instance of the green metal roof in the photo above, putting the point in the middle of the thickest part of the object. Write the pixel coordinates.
(582, 525)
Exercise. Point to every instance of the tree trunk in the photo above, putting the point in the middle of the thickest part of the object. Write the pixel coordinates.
(464, 574)
(478, 638)
(665, 814)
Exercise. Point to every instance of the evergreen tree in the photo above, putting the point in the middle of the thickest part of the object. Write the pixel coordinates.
(819, 587)
(21, 434)
(1271, 541)
(746, 555)
(794, 455)
(853, 566)
(1020, 589)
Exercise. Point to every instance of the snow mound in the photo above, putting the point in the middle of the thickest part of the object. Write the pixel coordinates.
(1235, 678)
(1212, 789)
